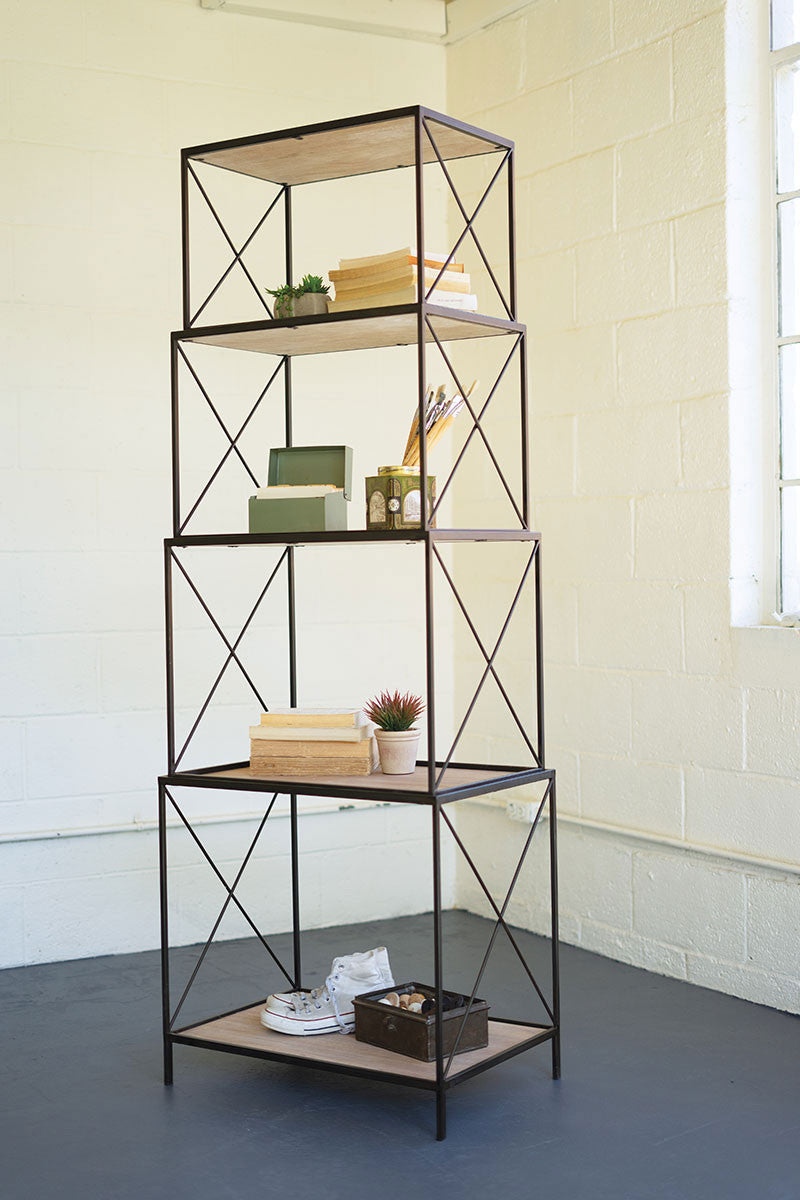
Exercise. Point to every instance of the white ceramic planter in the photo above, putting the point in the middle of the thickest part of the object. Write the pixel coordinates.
(398, 750)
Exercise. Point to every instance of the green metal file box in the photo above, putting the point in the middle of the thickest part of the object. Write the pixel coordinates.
(301, 465)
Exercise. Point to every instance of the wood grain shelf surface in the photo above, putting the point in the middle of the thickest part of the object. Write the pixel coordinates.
(455, 777)
(331, 333)
(244, 1030)
(310, 154)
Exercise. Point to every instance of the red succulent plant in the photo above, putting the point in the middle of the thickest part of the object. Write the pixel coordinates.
(394, 712)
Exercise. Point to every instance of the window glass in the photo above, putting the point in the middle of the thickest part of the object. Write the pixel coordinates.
(790, 409)
(787, 126)
(790, 557)
(788, 274)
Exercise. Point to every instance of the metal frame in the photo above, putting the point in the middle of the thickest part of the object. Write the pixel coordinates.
(437, 794)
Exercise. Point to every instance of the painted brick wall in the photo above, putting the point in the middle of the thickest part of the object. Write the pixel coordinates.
(675, 734)
(96, 98)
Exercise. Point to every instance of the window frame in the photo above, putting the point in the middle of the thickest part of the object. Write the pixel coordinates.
(778, 59)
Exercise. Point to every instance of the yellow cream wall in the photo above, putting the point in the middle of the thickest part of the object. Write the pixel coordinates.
(674, 731)
(97, 97)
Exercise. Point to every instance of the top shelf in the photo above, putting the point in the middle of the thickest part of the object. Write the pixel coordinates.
(360, 145)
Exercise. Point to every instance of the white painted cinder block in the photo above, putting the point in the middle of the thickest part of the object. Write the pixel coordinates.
(689, 904)
(699, 67)
(591, 716)
(632, 795)
(569, 203)
(773, 731)
(572, 371)
(682, 536)
(731, 809)
(635, 396)
(11, 759)
(561, 39)
(700, 256)
(596, 886)
(645, 455)
(713, 738)
(95, 109)
(672, 171)
(636, 24)
(664, 358)
(627, 95)
(503, 43)
(773, 921)
(611, 282)
(631, 948)
(616, 623)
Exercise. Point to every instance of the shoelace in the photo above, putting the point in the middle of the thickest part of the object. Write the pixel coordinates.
(326, 992)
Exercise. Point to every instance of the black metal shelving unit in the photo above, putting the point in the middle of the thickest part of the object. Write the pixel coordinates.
(402, 138)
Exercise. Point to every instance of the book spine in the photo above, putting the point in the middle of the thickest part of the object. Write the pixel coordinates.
(321, 720)
(346, 288)
(292, 749)
(288, 767)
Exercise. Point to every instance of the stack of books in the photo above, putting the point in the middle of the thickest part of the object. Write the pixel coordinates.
(384, 279)
(313, 741)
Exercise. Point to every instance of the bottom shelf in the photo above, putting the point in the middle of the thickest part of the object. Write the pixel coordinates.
(242, 1033)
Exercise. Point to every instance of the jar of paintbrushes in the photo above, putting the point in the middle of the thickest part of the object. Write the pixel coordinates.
(394, 494)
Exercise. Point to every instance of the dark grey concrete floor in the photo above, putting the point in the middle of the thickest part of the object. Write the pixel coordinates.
(669, 1091)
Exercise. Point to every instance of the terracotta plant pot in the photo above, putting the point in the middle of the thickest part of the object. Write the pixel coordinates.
(398, 750)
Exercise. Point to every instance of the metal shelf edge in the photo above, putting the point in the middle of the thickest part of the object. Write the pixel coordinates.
(356, 536)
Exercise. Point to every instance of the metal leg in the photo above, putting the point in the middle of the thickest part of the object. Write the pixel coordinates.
(441, 1115)
(162, 880)
(539, 655)
(441, 1099)
(554, 933)
(297, 968)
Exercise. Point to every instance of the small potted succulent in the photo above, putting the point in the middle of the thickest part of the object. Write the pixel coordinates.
(396, 735)
(308, 299)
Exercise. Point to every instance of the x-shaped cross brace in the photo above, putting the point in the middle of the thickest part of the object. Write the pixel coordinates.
(215, 411)
(488, 659)
(468, 228)
(476, 425)
(489, 668)
(499, 923)
(233, 441)
(230, 890)
(232, 647)
(237, 254)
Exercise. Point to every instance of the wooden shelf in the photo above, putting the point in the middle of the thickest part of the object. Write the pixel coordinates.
(335, 149)
(364, 329)
(460, 781)
(354, 536)
(244, 1032)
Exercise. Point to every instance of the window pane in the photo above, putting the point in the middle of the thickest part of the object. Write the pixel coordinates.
(788, 262)
(789, 369)
(787, 126)
(785, 23)
(790, 550)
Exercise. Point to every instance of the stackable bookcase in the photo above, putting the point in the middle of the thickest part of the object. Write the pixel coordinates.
(401, 138)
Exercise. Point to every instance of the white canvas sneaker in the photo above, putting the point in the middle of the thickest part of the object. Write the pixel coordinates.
(329, 1008)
